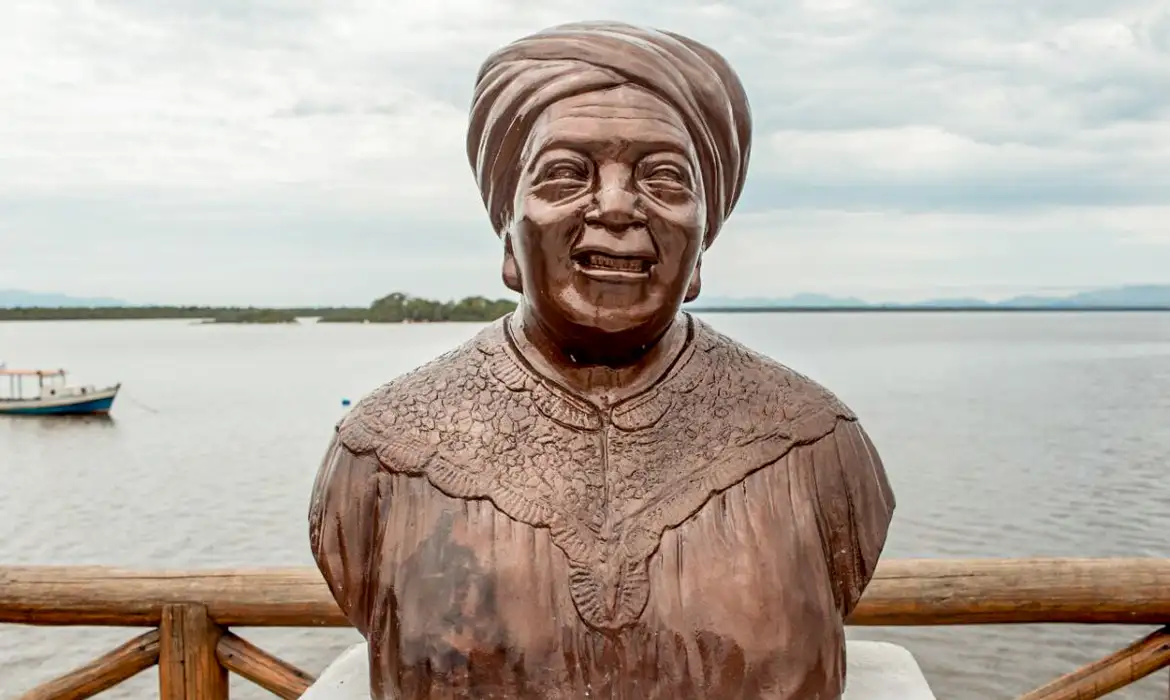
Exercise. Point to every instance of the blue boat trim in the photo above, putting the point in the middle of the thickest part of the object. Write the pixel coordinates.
(95, 406)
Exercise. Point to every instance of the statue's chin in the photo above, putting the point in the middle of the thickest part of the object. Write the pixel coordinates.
(616, 334)
(597, 328)
(613, 318)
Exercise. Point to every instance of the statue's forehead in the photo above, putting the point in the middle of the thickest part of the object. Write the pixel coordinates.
(623, 115)
(625, 101)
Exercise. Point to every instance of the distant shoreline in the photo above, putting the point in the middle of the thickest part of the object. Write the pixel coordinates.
(923, 309)
(266, 316)
(393, 308)
(400, 306)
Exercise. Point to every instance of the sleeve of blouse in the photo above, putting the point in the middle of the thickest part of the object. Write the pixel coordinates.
(856, 505)
(342, 522)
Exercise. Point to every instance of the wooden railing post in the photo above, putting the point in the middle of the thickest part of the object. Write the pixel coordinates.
(187, 666)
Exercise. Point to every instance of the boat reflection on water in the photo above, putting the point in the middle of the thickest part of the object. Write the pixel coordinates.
(68, 422)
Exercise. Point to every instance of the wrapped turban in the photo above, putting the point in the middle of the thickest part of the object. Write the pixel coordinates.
(518, 82)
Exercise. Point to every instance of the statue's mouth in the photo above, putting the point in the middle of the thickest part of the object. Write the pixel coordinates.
(609, 267)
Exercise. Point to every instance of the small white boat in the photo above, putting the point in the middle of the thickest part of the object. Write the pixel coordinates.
(53, 397)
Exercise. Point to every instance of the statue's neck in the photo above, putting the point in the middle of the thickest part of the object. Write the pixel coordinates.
(603, 384)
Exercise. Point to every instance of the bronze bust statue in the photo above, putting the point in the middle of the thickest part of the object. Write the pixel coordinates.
(600, 496)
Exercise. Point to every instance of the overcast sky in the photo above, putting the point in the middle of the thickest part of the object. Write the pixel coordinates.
(311, 152)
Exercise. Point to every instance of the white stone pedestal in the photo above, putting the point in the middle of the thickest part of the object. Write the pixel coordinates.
(347, 678)
(882, 671)
(876, 671)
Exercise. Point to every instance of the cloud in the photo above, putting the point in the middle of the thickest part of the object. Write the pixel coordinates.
(293, 151)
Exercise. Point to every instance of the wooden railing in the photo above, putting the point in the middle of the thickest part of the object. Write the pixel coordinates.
(190, 614)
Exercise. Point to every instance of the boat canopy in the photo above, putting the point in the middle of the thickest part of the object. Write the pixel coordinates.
(31, 372)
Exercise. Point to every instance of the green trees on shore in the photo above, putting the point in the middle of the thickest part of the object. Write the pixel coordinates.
(403, 308)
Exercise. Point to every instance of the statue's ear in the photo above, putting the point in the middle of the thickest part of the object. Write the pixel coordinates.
(511, 271)
(696, 284)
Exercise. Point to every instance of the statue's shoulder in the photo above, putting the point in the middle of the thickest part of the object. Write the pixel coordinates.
(415, 403)
(771, 389)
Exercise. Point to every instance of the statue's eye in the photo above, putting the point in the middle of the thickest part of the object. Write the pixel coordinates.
(666, 175)
(666, 172)
(565, 170)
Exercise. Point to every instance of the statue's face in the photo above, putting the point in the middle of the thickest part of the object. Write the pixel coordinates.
(609, 216)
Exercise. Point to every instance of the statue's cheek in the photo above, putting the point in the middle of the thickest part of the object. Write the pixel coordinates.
(544, 212)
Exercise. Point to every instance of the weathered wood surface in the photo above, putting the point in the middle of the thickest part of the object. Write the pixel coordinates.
(920, 592)
(1119, 669)
(908, 592)
(187, 665)
(265, 670)
(103, 673)
(104, 596)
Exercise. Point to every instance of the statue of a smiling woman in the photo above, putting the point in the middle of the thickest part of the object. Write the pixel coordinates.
(599, 496)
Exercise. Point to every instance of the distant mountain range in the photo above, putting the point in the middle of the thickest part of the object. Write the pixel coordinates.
(1135, 296)
(18, 298)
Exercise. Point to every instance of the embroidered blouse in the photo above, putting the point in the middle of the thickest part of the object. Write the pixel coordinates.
(493, 535)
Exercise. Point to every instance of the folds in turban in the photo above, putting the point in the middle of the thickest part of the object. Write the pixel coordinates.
(518, 82)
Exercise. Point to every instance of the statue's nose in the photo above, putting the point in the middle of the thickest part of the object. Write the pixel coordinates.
(616, 203)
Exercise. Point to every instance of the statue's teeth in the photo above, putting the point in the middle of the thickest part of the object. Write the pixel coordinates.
(624, 264)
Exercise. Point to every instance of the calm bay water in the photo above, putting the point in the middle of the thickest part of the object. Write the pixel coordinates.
(1004, 435)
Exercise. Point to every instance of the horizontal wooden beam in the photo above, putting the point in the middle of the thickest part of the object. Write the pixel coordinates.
(65, 595)
(920, 592)
(908, 592)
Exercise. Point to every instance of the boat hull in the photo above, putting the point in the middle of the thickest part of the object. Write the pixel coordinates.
(97, 402)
